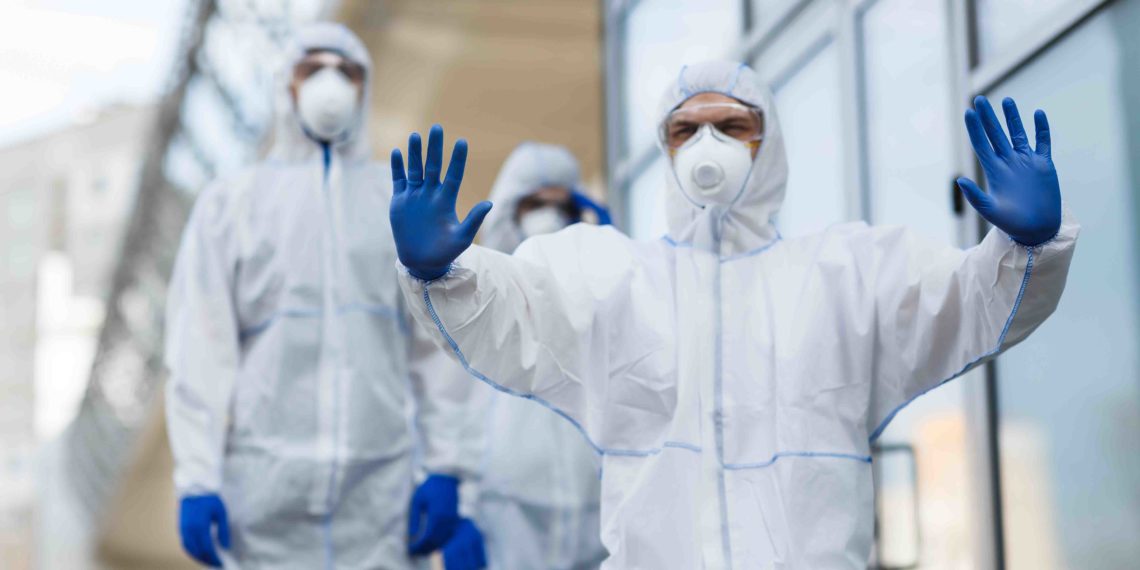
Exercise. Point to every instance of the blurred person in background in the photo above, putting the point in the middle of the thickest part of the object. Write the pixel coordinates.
(734, 381)
(291, 351)
(538, 490)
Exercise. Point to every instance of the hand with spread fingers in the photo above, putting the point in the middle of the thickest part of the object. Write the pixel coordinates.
(1024, 196)
(428, 234)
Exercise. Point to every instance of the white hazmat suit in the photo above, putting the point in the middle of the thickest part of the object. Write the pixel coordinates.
(734, 381)
(539, 489)
(293, 359)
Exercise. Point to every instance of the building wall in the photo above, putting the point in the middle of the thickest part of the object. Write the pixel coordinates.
(70, 193)
(497, 72)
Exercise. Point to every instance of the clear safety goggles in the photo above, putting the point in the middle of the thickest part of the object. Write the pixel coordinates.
(733, 120)
(315, 61)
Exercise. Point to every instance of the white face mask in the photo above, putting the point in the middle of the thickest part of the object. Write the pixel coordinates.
(712, 167)
(546, 220)
(327, 103)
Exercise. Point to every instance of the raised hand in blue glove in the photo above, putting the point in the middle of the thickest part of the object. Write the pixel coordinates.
(197, 517)
(583, 202)
(1024, 198)
(465, 549)
(434, 514)
(429, 236)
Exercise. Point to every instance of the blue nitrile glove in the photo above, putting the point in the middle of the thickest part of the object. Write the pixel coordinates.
(428, 234)
(434, 514)
(197, 516)
(465, 549)
(583, 202)
(1024, 198)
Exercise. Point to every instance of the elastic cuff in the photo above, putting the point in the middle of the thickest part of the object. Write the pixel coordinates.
(1038, 246)
(426, 281)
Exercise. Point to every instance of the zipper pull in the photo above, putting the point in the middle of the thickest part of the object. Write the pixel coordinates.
(326, 156)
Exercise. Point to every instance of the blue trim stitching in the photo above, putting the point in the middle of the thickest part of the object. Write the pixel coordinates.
(480, 376)
(727, 258)
(597, 448)
(326, 527)
(309, 313)
(1001, 340)
(736, 78)
(776, 457)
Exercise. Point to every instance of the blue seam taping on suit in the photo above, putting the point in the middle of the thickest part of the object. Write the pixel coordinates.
(727, 258)
(776, 456)
(480, 376)
(1001, 340)
(379, 310)
(736, 77)
(597, 448)
(327, 531)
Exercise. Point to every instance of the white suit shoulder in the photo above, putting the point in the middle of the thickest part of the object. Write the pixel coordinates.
(599, 256)
(867, 247)
(219, 201)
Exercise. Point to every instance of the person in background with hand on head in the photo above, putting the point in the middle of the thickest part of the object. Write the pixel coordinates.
(291, 350)
(538, 490)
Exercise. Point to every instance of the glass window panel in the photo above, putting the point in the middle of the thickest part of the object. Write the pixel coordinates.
(911, 127)
(764, 12)
(1001, 23)
(647, 202)
(910, 152)
(1069, 396)
(660, 37)
(808, 105)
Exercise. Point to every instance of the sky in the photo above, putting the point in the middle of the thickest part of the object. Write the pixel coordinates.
(61, 60)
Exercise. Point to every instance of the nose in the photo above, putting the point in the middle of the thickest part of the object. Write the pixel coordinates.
(708, 175)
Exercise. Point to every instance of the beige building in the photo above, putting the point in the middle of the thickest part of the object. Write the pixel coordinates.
(65, 197)
(497, 72)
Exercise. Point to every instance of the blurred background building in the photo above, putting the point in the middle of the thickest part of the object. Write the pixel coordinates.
(1032, 462)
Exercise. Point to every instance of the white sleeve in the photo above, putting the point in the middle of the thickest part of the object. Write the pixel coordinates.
(941, 311)
(531, 324)
(448, 417)
(202, 347)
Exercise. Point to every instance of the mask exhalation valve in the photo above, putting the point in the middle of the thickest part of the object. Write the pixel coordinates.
(708, 174)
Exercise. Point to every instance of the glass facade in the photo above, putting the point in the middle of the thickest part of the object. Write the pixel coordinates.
(1033, 462)
(808, 103)
(1069, 397)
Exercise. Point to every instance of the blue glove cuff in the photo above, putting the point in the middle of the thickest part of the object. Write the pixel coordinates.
(428, 276)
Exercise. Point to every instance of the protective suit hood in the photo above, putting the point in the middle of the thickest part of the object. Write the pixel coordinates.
(529, 167)
(290, 142)
(746, 224)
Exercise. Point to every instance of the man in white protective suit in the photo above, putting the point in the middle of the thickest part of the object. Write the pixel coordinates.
(734, 381)
(538, 489)
(293, 359)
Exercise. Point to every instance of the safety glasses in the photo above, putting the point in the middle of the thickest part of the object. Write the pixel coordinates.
(318, 60)
(741, 122)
